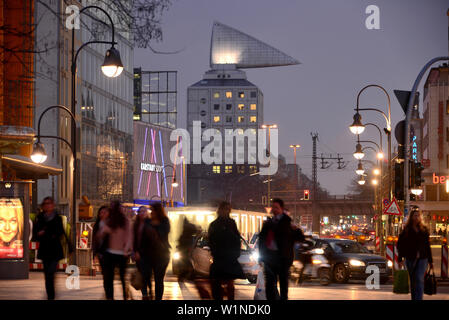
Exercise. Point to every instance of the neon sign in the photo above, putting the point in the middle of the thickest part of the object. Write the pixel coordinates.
(150, 167)
(414, 150)
(439, 179)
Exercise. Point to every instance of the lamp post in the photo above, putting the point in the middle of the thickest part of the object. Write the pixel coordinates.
(39, 156)
(111, 67)
(269, 127)
(295, 146)
(174, 184)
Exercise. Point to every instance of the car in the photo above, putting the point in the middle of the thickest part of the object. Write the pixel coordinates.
(349, 259)
(201, 258)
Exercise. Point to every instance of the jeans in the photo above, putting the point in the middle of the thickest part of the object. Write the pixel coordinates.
(159, 267)
(50, 267)
(144, 266)
(276, 268)
(110, 262)
(417, 278)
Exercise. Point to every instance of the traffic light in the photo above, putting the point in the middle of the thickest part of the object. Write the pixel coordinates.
(399, 181)
(306, 194)
(416, 179)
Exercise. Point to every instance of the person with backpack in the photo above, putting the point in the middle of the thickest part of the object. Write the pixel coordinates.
(414, 245)
(48, 231)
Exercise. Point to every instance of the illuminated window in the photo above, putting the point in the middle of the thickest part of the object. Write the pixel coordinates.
(241, 119)
(216, 118)
(241, 95)
(216, 107)
(216, 169)
(229, 94)
(252, 169)
(253, 106)
(216, 95)
(241, 106)
(228, 169)
(229, 107)
(253, 119)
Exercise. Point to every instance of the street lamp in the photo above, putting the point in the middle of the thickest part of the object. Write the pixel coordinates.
(376, 171)
(360, 171)
(358, 154)
(416, 191)
(361, 181)
(357, 127)
(38, 155)
(269, 127)
(374, 182)
(111, 67)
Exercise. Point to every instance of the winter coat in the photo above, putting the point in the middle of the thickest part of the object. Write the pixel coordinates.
(410, 243)
(284, 236)
(50, 247)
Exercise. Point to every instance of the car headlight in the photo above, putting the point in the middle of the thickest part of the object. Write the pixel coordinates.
(390, 264)
(176, 256)
(356, 263)
(255, 256)
(318, 251)
(316, 261)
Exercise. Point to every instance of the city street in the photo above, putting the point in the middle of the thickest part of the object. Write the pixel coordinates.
(91, 288)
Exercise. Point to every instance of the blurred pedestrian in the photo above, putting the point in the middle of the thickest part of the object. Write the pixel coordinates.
(142, 251)
(224, 241)
(160, 255)
(276, 242)
(99, 244)
(48, 231)
(185, 246)
(119, 232)
(414, 245)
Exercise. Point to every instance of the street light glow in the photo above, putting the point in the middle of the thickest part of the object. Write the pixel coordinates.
(376, 171)
(375, 182)
(380, 155)
(417, 191)
(38, 155)
(360, 171)
(358, 154)
(357, 127)
(112, 66)
(361, 181)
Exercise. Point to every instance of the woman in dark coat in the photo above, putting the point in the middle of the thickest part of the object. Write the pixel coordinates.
(414, 246)
(48, 231)
(157, 232)
(224, 240)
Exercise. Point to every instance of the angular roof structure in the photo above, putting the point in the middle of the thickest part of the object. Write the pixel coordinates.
(231, 46)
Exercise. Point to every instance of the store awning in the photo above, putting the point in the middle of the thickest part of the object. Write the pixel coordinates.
(26, 169)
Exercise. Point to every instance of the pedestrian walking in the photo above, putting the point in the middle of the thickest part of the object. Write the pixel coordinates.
(118, 231)
(414, 245)
(276, 242)
(142, 251)
(224, 241)
(160, 248)
(48, 231)
(100, 243)
(185, 246)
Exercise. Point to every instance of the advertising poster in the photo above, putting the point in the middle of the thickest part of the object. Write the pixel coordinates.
(11, 229)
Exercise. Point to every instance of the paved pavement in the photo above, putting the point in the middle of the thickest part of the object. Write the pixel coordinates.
(91, 288)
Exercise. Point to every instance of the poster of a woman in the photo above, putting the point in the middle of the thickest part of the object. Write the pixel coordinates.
(11, 229)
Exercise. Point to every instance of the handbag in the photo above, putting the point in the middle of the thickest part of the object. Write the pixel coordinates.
(401, 284)
(136, 280)
(430, 282)
(259, 293)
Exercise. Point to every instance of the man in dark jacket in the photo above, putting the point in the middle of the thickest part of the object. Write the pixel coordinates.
(48, 231)
(276, 241)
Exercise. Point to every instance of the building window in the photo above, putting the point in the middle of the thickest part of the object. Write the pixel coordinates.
(241, 95)
(253, 94)
(252, 169)
(229, 107)
(228, 118)
(253, 119)
(217, 95)
(228, 169)
(241, 169)
(241, 119)
(229, 94)
(216, 107)
(241, 106)
(216, 118)
(216, 169)
(253, 106)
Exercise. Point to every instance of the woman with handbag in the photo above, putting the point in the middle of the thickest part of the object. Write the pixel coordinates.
(142, 253)
(414, 246)
(224, 240)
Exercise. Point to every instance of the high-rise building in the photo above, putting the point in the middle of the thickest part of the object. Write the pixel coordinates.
(225, 100)
(104, 108)
(155, 97)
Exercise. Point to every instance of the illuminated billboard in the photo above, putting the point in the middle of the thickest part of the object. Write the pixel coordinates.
(155, 176)
(11, 228)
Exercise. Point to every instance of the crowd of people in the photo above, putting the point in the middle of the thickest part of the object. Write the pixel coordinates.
(116, 238)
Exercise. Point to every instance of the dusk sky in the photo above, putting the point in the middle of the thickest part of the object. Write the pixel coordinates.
(338, 56)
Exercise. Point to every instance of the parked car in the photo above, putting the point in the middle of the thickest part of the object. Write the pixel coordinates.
(349, 259)
(201, 258)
